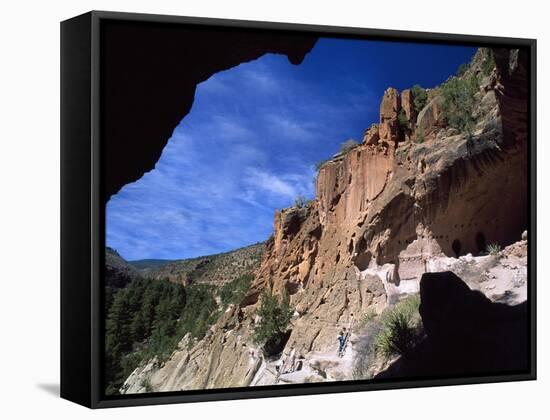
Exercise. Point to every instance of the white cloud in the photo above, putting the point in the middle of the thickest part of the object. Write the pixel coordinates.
(285, 186)
(228, 128)
(260, 78)
(269, 182)
(291, 128)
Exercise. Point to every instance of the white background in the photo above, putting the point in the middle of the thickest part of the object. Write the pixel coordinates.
(29, 210)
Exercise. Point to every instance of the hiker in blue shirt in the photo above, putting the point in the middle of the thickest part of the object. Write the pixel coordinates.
(342, 341)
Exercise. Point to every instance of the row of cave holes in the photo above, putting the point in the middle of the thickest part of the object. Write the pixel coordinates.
(481, 244)
(480, 240)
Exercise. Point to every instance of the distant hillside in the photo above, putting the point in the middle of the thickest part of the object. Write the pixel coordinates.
(149, 263)
(118, 273)
(215, 269)
(148, 310)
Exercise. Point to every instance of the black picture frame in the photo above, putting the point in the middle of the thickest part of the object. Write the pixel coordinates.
(83, 197)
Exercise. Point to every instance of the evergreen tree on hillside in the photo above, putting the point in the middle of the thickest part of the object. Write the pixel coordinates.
(235, 291)
(459, 103)
(138, 327)
(200, 311)
(148, 311)
(420, 98)
(147, 319)
(109, 296)
(274, 317)
(118, 337)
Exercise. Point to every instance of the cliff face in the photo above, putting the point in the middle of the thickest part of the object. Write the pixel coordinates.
(396, 201)
(414, 192)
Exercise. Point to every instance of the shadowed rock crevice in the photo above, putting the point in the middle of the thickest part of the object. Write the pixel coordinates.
(276, 344)
(512, 92)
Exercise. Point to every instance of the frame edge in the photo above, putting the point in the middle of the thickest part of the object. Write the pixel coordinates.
(76, 264)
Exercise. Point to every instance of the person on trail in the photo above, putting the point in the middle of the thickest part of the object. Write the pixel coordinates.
(292, 360)
(341, 340)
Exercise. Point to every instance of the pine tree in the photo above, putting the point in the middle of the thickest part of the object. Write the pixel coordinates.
(148, 311)
(274, 317)
(420, 98)
(118, 340)
(138, 327)
(117, 329)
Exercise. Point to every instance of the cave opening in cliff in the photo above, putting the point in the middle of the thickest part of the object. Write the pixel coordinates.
(275, 345)
(457, 247)
(481, 243)
(361, 255)
(293, 287)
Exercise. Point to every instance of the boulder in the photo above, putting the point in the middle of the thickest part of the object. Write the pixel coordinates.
(390, 105)
(430, 118)
(371, 135)
(460, 320)
(466, 333)
(407, 104)
(389, 109)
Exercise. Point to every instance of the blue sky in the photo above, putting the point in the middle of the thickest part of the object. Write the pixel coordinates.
(251, 141)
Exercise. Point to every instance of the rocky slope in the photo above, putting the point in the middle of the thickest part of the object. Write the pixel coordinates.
(118, 273)
(215, 269)
(474, 319)
(416, 196)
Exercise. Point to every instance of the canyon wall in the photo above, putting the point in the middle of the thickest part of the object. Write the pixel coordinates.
(414, 191)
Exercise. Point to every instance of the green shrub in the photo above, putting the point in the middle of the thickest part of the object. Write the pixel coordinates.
(400, 328)
(345, 147)
(234, 292)
(146, 383)
(368, 316)
(397, 337)
(459, 103)
(300, 201)
(348, 145)
(420, 135)
(420, 97)
(396, 331)
(493, 249)
(274, 317)
(461, 69)
(319, 164)
(200, 269)
(402, 121)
